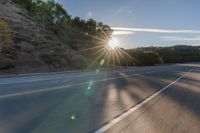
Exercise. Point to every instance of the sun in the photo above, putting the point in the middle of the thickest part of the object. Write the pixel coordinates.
(113, 43)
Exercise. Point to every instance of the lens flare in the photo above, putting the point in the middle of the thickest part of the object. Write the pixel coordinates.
(113, 43)
(73, 117)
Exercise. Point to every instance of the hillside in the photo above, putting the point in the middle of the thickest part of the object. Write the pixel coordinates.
(32, 50)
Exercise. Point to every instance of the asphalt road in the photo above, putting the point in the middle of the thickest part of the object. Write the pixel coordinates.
(158, 99)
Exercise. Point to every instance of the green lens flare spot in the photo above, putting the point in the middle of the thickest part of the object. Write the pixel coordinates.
(73, 117)
(90, 83)
(97, 70)
(102, 62)
(89, 88)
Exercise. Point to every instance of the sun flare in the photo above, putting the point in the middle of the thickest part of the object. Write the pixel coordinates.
(113, 43)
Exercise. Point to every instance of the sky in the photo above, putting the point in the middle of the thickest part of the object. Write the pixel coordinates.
(143, 23)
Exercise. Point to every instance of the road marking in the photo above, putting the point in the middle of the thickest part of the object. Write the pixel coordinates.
(67, 86)
(68, 78)
(49, 79)
(133, 109)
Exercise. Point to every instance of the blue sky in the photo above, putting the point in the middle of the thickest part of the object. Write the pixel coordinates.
(144, 22)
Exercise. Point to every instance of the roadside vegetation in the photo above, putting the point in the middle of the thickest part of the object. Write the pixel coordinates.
(160, 55)
(5, 34)
(71, 30)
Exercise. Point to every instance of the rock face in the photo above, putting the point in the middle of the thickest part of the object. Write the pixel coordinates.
(33, 50)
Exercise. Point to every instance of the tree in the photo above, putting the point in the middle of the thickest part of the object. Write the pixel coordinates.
(91, 26)
(27, 4)
(54, 17)
(61, 14)
(143, 57)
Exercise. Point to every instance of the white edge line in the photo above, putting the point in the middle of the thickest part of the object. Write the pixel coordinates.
(122, 116)
(67, 78)
(66, 86)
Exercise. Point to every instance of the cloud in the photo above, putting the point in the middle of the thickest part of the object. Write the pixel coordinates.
(155, 30)
(122, 33)
(180, 38)
(130, 12)
(124, 10)
(90, 14)
(120, 10)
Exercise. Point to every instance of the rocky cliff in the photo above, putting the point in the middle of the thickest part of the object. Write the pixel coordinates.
(32, 49)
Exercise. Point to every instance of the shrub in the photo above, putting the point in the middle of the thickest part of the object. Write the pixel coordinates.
(5, 33)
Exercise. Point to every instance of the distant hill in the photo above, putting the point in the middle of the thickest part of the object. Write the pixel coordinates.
(177, 54)
(157, 55)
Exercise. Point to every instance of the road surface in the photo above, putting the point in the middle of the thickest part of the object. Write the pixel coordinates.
(157, 99)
